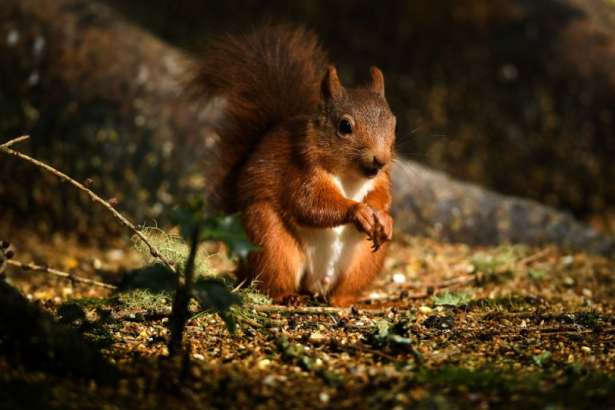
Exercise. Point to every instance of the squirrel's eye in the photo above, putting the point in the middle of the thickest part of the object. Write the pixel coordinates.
(344, 127)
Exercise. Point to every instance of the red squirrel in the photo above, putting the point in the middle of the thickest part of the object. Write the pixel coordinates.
(305, 160)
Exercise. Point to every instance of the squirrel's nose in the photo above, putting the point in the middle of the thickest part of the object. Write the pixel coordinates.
(378, 163)
(371, 169)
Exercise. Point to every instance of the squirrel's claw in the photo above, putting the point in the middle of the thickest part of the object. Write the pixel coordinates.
(375, 223)
(383, 229)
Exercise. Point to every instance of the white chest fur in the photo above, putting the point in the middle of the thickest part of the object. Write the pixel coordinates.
(329, 251)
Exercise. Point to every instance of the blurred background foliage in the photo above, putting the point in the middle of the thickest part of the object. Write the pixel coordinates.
(515, 95)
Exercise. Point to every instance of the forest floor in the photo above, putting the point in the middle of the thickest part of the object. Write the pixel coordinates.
(449, 326)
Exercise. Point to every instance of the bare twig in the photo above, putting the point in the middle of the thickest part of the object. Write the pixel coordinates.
(548, 332)
(248, 321)
(15, 141)
(94, 197)
(461, 280)
(239, 286)
(362, 349)
(537, 256)
(312, 310)
(55, 272)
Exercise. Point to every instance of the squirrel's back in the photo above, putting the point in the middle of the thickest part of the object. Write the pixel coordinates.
(265, 77)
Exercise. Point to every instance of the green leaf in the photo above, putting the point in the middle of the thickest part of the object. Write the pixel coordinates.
(225, 228)
(400, 340)
(541, 359)
(229, 320)
(189, 216)
(229, 230)
(213, 294)
(451, 299)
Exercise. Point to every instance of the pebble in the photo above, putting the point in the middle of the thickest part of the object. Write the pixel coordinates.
(12, 38)
(324, 397)
(399, 278)
(317, 337)
(425, 309)
(269, 380)
(263, 364)
(115, 255)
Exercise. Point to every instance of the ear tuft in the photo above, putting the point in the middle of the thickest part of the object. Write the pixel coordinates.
(331, 86)
(377, 84)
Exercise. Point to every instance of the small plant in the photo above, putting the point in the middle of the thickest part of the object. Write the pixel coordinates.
(452, 299)
(537, 274)
(541, 359)
(394, 336)
(387, 334)
(214, 295)
(497, 264)
(224, 228)
(296, 353)
(211, 293)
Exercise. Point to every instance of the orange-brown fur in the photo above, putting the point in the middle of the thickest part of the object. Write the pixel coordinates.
(296, 149)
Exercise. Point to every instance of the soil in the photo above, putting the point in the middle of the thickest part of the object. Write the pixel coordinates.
(447, 326)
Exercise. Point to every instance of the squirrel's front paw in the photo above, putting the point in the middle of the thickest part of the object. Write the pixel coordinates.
(383, 229)
(363, 217)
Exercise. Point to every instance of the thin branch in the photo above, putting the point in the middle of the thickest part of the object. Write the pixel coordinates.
(15, 141)
(94, 197)
(535, 257)
(312, 310)
(248, 321)
(461, 280)
(547, 332)
(362, 349)
(55, 272)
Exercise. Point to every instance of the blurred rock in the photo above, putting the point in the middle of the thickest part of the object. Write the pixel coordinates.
(101, 99)
(430, 203)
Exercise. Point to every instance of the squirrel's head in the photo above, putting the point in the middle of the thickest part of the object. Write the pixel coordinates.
(357, 127)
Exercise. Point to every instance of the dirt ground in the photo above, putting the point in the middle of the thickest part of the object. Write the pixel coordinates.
(447, 326)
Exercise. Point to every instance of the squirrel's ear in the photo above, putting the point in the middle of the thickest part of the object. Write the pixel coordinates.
(331, 86)
(377, 84)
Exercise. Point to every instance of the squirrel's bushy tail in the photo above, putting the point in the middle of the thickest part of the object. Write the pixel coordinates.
(264, 77)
